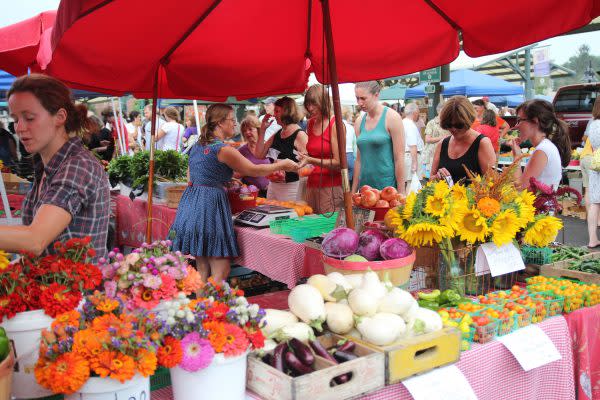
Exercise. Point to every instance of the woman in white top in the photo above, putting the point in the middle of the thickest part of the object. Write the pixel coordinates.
(593, 132)
(350, 139)
(171, 132)
(537, 122)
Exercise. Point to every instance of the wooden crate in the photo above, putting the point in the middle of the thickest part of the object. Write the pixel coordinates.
(575, 211)
(418, 354)
(559, 269)
(173, 195)
(367, 375)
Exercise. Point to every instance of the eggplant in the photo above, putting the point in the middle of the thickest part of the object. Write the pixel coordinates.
(302, 351)
(346, 345)
(343, 356)
(295, 364)
(267, 358)
(342, 378)
(278, 354)
(320, 350)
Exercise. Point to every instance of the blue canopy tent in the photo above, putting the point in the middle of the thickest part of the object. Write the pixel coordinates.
(515, 100)
(394, 92)
(469, 83)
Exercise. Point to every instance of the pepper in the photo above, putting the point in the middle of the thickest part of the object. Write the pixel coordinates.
(4, 347)
(431, 296)
(449, 296)
(430, 304)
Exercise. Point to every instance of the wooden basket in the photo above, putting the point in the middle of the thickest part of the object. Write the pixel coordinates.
(6, 375)
(560, 270)
(174, 194)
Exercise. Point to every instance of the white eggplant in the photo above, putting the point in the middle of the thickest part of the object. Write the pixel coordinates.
(424, 320)
(306, 302)
(373, 285)
(382, 329)
(341, 280)
(362, 302)
(355, 280)
(340, 319)
(396, 301)
(324, 285)
(276, 319)
(301, 331)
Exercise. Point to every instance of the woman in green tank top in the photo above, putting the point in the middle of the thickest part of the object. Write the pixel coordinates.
(380, 141)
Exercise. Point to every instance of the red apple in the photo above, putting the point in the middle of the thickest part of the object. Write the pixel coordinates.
(364, 188)
(388, 193)
(356, 199)
(382, 204)
(369, 198)
(394, 203)
(377, 193)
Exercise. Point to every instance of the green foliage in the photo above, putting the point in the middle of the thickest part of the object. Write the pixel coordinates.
(169, 165)
(579, 63)
(119, 167)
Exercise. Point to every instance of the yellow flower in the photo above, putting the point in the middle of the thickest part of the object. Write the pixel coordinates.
(4, 261)
(505, 227)
(459, 193)
(509, 193)
(526, 209)
(543, 231)
(436, 206)
(441, 188)
(488, 206)
(408, 207)
(391, 218)
(425, 233)
(471, 225)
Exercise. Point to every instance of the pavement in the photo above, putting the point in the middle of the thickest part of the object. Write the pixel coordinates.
(574, 233)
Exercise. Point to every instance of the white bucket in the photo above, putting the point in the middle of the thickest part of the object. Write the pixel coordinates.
(224, 378)
(137, 388)
(24, 331)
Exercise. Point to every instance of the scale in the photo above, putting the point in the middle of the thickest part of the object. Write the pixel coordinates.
(261, 216)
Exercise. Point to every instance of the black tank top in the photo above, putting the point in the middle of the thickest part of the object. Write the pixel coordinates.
(455, 165)
(286, 151)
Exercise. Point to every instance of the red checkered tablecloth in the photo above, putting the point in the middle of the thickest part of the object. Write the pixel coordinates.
(275, 256)
(495, 374)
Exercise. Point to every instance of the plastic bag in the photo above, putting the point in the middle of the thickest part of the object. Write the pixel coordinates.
(595, 164)
(415, 184)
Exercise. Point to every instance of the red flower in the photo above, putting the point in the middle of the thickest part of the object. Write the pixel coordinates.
(217, 311)
(91, 253)
(170, 354)
(10, 305)
(256, 337)
(57, 299)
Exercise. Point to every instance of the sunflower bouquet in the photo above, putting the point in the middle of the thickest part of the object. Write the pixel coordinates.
(54, 283)
(148, 275)
(219, 321)
(102, 340)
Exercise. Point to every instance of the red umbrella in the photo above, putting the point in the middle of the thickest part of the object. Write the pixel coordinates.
(213, 49)
(19, 42)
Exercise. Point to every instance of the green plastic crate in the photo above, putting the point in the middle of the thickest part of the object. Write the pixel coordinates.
(160, 379)
(536, 255)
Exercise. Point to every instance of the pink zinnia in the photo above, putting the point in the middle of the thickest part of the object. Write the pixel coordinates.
(197, 352)
(168, 289)
(236, 342)
(145, 298)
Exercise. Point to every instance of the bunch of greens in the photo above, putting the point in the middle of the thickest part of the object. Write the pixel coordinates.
(437, 299)
(119, 169)
(169, 165)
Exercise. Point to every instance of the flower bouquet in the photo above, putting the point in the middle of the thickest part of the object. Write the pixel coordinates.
(546, 198)
(103, 340)
(148, 275)
(53, 283)
(206, 341)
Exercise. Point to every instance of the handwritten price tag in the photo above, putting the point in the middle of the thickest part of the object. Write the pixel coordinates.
(447, 383)
(531, 347)
(498, 260)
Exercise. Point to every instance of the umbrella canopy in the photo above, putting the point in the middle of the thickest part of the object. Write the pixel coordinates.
(19, 43)
(394, 92)
(469, 83)
(204, 55)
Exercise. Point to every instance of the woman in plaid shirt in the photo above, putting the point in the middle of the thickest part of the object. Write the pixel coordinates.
(70, 195)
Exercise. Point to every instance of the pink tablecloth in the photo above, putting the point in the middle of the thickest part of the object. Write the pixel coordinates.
(275, 256)
(494, 373)
(584, 325)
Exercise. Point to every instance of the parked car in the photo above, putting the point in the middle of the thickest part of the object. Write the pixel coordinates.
(573, 104)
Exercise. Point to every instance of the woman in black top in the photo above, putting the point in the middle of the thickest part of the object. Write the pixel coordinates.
(285, 144)
(465, 147)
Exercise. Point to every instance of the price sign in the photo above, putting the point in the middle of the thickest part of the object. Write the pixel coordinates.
(429, 89)
(447, 383)
(431, 75)
(498, 260)
(531, 347)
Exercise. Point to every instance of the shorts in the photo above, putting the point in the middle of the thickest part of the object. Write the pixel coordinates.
(325, 199)
(585, 164)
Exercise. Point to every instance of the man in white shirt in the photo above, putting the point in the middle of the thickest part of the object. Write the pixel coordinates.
(269, 103)
(148, 126)
(412, 139)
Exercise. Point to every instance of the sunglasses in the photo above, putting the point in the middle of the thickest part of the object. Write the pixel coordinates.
(458, 126)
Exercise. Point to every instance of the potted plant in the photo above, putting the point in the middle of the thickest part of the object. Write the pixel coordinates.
(148, 275)
(100, 352)
(206, 342)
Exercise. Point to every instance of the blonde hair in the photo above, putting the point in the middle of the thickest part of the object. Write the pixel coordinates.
(172, 113)
(318, 96)
(373, 87)
(249, 122)
(215, 114)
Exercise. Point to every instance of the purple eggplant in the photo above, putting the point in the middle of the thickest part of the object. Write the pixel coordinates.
(346, 345)
(342, 378)
(343, 356)
(320, 350)
(278, 354)
(295, 364)
(267, 358)
(302, 351)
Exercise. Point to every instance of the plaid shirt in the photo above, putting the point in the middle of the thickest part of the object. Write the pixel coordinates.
(76, 182)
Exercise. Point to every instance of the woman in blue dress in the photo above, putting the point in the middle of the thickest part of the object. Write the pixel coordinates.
(203, 225)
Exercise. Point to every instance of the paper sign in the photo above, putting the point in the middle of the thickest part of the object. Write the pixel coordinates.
(531, 347)
(498, 260)
(447, 383)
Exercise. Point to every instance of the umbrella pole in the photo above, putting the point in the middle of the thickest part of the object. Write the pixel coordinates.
(151, 167)
(337, 109)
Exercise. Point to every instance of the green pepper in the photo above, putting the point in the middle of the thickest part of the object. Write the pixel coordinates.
(430, 304)
(2, 332)
(431, 296)
(449, 296)
(4, 347)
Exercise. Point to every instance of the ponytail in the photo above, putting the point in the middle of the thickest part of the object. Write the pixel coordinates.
(215, 114)
(561, 139)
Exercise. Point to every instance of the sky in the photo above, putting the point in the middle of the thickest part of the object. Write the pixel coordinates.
(561, 48)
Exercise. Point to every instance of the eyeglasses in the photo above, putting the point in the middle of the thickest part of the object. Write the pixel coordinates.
(458, 126)
(519, 120)
(231, 119)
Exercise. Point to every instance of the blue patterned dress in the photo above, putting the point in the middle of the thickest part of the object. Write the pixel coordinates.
(203, 225)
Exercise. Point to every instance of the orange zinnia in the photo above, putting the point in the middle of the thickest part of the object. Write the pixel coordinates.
(110, 325)
(171, 353)
(216, 335)
(146, 362)
(114, 364)
(64, 375)
(69, 318)
(488, 206)
(86, 344)
(107, 305)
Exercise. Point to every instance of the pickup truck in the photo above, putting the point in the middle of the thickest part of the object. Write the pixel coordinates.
(573, 104)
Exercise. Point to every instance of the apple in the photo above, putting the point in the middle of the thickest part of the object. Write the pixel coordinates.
(389, 193)
(369, 198)
(401, 198)
(356, 199)
(394, 203)
(364, 188)
(382, 204)
(377, 193)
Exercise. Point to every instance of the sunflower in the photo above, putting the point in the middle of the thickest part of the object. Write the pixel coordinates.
(392, 218)
(488, 206)
(441, 188)
(436, 205)
(146, 362)
(505, 227)
(114, 364)
(471, 225)
(542, 231)
(425, 233)
(407, 211)
(4, 260)
(64, 375)
(459, 193)
(526, 209)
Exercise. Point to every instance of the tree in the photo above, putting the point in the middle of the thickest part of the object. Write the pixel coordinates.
(579, 63)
